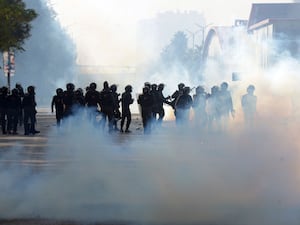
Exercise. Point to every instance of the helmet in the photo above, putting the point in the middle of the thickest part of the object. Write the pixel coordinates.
(147, 84)
(4, 90)
(105, 85)
(186, 90)
(93, 86)
(30, 89)
(153, 86)
(181, 86)
(18, 85)
(70, 87)
(146, 90)
(59, 91)
(128, 88)
(224, 85)
(161, 86)
(79, 90)
(199, 89)
(250, 88)
(113, 87)
(15, 91)
(214, 89)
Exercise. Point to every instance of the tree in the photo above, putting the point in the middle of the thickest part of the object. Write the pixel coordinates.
(14, 24)
(178, 55)
(176, 51)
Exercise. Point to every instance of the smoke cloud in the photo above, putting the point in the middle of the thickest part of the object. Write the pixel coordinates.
(49, 61)
(174, 176)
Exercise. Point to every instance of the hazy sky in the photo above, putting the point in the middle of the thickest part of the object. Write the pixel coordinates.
(105, 31)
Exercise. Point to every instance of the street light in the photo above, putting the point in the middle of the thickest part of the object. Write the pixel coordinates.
(193, 36)
(203, 28)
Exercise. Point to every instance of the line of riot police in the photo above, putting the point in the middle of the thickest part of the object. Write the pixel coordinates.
(211, 110)
(105, 103)
(18, 108)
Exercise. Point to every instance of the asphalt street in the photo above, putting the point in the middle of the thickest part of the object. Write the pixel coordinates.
(31, 149)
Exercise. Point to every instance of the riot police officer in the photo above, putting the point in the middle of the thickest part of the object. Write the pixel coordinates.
(29, 108)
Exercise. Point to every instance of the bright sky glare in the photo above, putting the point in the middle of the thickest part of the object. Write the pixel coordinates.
(105, 31)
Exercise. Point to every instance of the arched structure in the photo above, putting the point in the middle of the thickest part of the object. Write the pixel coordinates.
(217, 41)
(224, 53)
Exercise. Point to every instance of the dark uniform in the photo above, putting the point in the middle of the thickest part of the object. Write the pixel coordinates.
(212, 108)
(92, 101)
(176, 94)
(146, 102)
(107, 106)
(29, 107)
(183, 105)
(126, 101)
(155, 105)
(225, 106)
(79, 101)
(199, 105)
(13, 111)
(116, 104)
(57, 102)
(161, 99)
(21, 94)
(69, 100)
(3, 108)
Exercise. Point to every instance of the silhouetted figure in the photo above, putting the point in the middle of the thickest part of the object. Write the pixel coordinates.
(69, 100)
(161, 99)
(21, 94)
(126, 101)
(145, 100)
(249, 106)
(58, 104)
(212, 109)
(225, 106)
(13, 110)
(29, 107)
(3, 108)
(79, 102)
(199, 105)
(176, 94)
(116, 104)
(20, 90)
(92, 101)
(174, 97)
(155, 105)
(148, 85)
(183, 105)
(107, 106)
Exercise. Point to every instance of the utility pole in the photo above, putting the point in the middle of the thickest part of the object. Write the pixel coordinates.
(9, 66)
(203, 29)
(193, 34)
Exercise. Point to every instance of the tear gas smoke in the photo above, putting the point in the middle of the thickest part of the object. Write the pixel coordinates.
(49, 61)
(174, 176)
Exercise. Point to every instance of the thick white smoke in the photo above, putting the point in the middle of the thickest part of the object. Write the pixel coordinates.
(49, 59)
(173, 176)
(178, 176)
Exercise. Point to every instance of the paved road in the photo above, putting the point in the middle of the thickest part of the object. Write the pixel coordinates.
(31, 149)
(21, 152)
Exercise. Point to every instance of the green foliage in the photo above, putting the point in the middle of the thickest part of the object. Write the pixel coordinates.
(176, 51)
(177, 54)
(14, 24)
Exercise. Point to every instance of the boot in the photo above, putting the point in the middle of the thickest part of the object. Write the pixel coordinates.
(26, 129)
(33, 130)
(3, 125)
